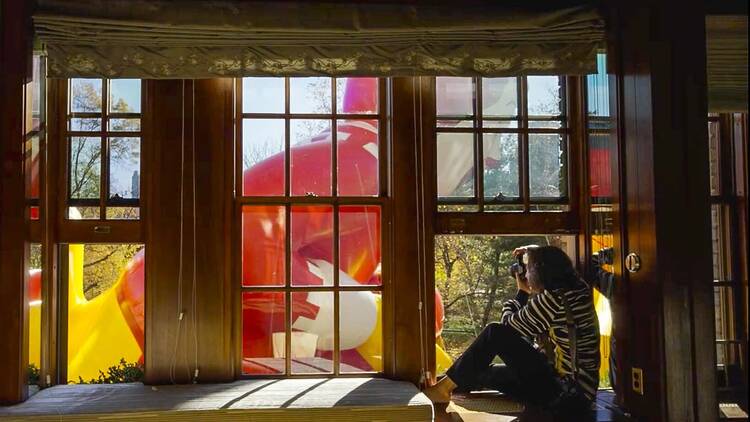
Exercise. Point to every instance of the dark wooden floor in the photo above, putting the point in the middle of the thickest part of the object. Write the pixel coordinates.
(489, 407)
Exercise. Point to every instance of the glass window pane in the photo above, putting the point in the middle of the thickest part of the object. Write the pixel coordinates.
(720, 237)
(100, 337)
(310, 170)
(500, 124)
(79, 124)
(263, 245)
(600, 168)
(455, 96)
(500, 97)
(124, 168)
(361, 333)
(125, 125)
(455, 165)
(124, 95)
(83, 213)
(32, 167)
(597, 89)
(547, 166)
(714, 140)
(357, 144)
(263, 156)
(312, 245)
(545, 124)
(263, 95)
(84, 167)
(310, 95)
(263, 332)
(455, 123)
(723, 306)
(312, 333)
(359, 245)
(357, 95)
(500, 166)
(123, 213)
(549, 207)
(85, 95)
(544, 95)
(34, 294)
(37, 84)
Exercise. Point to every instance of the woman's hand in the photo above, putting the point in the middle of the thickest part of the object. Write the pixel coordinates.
(522, 284)
(521, 250)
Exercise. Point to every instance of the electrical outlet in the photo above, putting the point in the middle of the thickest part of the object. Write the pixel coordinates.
(637, 377)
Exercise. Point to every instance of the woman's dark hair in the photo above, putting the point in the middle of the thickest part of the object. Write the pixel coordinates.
(553, 267)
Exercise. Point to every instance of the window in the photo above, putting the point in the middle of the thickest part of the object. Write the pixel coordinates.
(34, 144)
(34, 294)
(502, 144)
(505, 155)
(101, 255)
(103, 149)
(726, 135)
(311, 201)
(105, 312)
(601, 150)
(35, 135)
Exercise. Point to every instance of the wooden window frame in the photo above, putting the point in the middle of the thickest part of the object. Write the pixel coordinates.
(101, 230)
(526, 221)
(731, 172)
(57, 231)
(34, 225)
(382, 200)
(571, 222)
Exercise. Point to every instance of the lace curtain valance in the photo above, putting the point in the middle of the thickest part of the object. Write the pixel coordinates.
(204, 39)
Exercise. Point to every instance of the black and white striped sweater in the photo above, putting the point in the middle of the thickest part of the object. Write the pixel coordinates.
(545, 313)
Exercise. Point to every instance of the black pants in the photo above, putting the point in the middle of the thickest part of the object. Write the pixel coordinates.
(526, 375)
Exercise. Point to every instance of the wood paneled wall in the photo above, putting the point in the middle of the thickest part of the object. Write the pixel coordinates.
(180, 114)
(669, 329)
(15, 64)
(409, 258)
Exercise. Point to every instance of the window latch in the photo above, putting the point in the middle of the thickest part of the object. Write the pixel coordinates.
(102, 229)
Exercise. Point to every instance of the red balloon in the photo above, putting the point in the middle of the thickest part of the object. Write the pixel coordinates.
(34, 289)
(131, 296)
(439, 313)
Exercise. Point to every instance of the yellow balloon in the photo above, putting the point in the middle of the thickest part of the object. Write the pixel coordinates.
(98, 335)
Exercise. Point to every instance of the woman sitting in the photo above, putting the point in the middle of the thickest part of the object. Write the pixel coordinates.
(562, 307)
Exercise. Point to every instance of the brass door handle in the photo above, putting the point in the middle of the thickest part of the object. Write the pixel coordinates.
(633, 262)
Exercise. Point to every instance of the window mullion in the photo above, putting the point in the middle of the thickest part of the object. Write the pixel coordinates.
(334, 190)
(478, 145)
(523, 140)
(287, 290)
(383, 127)
(287, 152)
(104, 155)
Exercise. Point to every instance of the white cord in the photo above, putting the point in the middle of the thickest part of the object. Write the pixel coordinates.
(420, 241)
(195, 259)
(180, 313)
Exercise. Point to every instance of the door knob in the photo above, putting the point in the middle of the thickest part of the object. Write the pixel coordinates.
(633, 262)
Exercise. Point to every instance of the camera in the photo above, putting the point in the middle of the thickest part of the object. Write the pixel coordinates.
(518, 267)
(606, 256)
